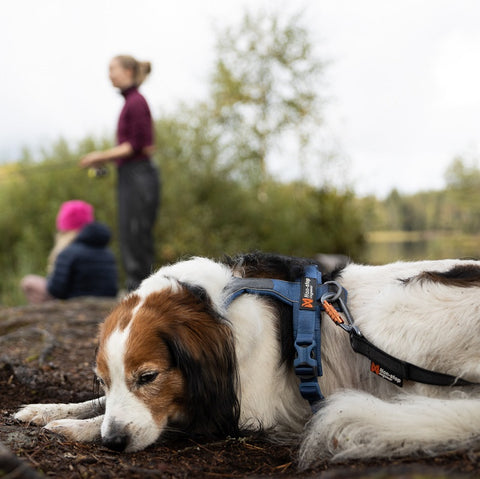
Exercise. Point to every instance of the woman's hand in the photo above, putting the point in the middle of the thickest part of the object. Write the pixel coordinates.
(95, 158)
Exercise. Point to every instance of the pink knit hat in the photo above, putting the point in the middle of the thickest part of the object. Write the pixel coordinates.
(74, 215)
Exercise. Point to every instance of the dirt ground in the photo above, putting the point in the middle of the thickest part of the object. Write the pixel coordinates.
(47, 354)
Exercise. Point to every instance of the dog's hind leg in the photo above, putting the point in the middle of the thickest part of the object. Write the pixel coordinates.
(354, 424)
(42, 414)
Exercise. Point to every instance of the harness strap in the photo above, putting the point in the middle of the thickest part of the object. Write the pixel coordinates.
(277, 289)
(304, 298)
(395, 370)
(383, 364)
(306, 333)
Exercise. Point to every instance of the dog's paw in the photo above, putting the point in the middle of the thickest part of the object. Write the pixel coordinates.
(80, 430)
(39, 414)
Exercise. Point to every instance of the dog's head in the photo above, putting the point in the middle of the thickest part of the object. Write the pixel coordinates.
(166, 358)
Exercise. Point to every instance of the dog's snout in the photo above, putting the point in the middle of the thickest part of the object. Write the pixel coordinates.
(116, 442)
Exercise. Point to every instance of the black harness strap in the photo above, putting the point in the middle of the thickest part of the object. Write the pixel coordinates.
(395, 370)
(383, 364)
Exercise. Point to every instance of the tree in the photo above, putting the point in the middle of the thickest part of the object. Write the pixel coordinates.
(265, 92)
(463, 177)
(463, 189)
(212, 157)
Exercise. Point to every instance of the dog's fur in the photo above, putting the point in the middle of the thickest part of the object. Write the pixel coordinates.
(172, 357)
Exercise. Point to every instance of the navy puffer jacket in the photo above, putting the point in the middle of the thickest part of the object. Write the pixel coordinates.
(86, 267)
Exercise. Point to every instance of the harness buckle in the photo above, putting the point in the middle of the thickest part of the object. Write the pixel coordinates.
(305, 363)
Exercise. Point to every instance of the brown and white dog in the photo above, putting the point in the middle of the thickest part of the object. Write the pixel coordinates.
(172, 356)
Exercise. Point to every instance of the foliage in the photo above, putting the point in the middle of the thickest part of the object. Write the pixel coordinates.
(204, 211)
(213, 156)
(456, 208)
(463, 177)
(265, 92)
(216, 197)
(208, 211)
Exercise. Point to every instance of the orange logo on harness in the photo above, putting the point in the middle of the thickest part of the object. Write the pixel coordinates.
(386, 374)
(375, 368)
(307, 303)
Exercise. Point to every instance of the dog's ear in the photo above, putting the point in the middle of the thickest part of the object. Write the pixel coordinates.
(210, 402)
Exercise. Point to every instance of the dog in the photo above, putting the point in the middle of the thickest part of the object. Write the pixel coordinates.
(173, 355)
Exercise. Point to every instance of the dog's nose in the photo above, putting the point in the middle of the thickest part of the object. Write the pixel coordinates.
(116, 442)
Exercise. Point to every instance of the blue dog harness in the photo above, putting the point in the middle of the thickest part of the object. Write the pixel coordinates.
(305, 298)
(308, 297)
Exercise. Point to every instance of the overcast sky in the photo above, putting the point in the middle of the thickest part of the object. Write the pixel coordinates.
(403, 79)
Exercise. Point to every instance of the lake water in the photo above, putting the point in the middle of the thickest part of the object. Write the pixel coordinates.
(388, 246)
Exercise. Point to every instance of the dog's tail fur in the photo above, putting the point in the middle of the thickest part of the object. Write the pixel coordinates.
(355, 424)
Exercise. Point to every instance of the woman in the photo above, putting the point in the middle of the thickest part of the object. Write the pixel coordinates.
(80, 263)
(138, 179)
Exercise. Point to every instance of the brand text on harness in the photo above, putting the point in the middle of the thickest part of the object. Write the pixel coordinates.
(308, 290)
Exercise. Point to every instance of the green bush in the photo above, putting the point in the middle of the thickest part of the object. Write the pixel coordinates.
(205, 211)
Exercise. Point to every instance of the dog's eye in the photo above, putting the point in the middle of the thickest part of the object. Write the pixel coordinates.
(147, 378)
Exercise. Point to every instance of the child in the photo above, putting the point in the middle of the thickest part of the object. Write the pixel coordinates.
(80, 263)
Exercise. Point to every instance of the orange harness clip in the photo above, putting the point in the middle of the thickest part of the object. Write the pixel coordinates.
(332, 312)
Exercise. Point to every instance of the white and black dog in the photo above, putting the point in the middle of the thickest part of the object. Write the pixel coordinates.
(175, 355)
